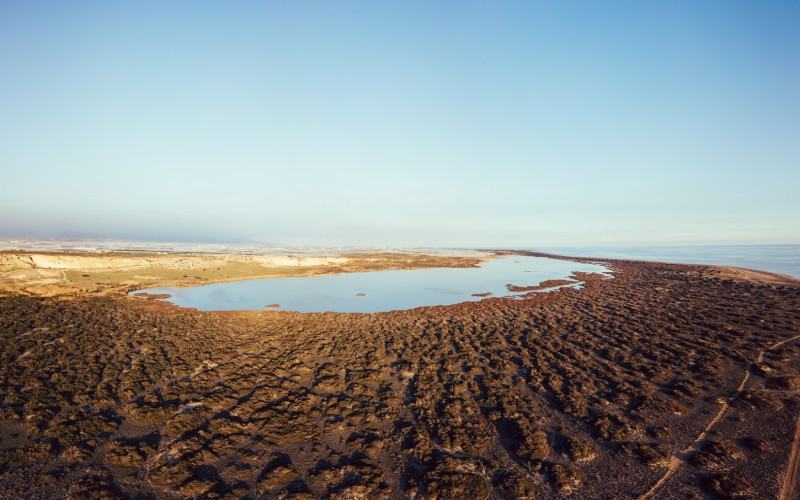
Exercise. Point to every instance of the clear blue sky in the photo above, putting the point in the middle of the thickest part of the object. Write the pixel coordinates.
(401, 123)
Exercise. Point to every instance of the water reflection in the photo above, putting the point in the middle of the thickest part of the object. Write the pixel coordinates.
(380, 290)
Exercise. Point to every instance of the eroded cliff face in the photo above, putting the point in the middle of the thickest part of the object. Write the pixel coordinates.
(594, 392)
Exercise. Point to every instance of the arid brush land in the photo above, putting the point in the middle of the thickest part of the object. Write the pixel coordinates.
(669, 381)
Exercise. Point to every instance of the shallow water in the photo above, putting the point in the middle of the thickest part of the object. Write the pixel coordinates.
(379, 290)
(783, 259)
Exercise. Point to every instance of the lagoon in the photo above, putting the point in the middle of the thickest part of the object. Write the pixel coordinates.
(377, 291)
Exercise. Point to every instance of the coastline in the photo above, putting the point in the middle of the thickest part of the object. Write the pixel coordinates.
(48, 273)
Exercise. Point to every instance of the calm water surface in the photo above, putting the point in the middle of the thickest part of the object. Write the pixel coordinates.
(382, 290)
(783, 259)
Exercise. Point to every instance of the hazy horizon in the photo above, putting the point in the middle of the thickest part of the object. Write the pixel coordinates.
(459, 125)
(6, 243)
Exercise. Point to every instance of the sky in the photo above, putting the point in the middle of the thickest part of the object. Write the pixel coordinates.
(414, 123)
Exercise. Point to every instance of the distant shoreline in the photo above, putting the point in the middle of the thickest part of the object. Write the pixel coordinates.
(47, 273)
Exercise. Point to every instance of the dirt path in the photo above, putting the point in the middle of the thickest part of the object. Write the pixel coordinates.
(679, 458)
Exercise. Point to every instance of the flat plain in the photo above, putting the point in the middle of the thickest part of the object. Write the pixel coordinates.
(667, 381)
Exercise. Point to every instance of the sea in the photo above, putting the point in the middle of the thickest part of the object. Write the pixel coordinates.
(781, 259)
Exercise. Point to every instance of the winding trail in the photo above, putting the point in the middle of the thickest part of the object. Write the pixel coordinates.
(679, 458)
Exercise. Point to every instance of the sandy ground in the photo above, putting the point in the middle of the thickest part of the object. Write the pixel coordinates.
(669, 380)
(56, 273)
(754, 276)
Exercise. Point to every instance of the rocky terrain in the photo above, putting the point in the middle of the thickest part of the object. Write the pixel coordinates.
(667, 381)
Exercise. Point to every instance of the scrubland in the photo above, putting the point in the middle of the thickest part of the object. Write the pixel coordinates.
(683, 378)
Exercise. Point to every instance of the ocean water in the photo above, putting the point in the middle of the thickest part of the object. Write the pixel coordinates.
(782, 259)
(377, 291)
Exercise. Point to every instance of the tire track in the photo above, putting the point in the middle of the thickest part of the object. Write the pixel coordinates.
(679, 458)
(789, 490)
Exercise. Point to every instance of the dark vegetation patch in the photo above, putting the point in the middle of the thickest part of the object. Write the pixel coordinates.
(582, 392)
